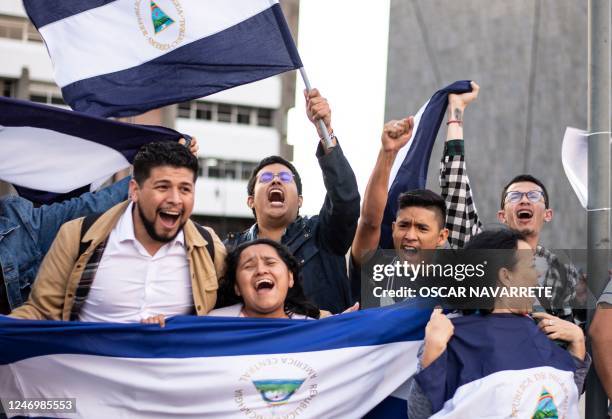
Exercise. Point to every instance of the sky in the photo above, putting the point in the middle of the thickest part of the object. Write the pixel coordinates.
(343, 46)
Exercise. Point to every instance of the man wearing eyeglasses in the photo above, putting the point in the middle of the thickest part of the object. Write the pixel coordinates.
(321, 242)
(524, 207)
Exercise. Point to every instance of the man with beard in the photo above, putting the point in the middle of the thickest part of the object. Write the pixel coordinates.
(142, 260)
(321, 242)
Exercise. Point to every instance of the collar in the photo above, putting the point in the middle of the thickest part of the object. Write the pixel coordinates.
(125, 228)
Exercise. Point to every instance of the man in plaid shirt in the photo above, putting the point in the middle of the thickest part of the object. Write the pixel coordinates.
(524, 206)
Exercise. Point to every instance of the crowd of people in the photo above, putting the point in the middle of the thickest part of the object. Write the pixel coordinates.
(130, 253)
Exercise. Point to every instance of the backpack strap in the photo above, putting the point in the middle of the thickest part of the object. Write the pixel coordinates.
(210, 244)
(88, 221)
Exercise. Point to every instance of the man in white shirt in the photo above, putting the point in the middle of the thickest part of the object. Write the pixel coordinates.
(143, 260)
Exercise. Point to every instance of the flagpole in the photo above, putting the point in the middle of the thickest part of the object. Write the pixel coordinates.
(598, 218)
(326, 139)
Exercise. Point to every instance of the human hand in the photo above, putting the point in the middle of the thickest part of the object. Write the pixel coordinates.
(318, 109)
(354, 307)
(439, 329)
(159, 319)
(558, 329)
(463, 100)
(193, 146)
(396, 134)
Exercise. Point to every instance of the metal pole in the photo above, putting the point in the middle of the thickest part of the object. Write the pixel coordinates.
(598, 223)
(326, 139)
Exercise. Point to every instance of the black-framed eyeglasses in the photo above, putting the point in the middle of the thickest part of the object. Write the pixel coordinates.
(516, 196)
(267, 177)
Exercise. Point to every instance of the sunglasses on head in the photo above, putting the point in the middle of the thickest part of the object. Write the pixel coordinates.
(267, 177)
(516, 196)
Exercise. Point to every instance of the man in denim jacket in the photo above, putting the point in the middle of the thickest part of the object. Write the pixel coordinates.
(26, 233)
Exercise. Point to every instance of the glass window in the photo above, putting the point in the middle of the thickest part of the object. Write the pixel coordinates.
(184, 110)
(264, 117)
(7, 88)
(247, 169)
(38, 98)
(204, 111)
(224, 113)
(11, 29)
(33, 34)
(244, 115)
(213, 168)
(56, 100)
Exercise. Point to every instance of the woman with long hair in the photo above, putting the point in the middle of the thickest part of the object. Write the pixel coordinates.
(263, 280)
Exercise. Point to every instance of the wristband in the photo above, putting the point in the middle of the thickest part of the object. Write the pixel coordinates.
(455, 121)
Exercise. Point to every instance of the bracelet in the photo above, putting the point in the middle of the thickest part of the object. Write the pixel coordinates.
(332, 137)
(455, 121)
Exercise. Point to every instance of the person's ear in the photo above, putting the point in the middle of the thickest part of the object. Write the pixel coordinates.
(134, 190)
(300, 200)
(392, 226)
(548, 215)
(291, 280)
(505, 277)
(442, 237)
(501, 217)
(250, 201)
(237, 290)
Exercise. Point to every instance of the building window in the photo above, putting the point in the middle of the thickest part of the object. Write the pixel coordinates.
(11, 28)
(225, 169)
(247, 170)
(184, 110)
(38, 98)
(204, 111)
(224, 113)
(264, 117)
(32, 34)
(7, 88)
(244, 115)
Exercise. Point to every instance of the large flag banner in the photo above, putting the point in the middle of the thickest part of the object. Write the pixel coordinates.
(410, 167)
(124, 57)
(500, 366)
(54, 151)
(213, 367)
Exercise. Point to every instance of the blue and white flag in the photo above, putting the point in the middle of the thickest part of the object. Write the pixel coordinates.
(213, 367)
(500, 366)
(410, 167)
(48, 151)
(124, 57)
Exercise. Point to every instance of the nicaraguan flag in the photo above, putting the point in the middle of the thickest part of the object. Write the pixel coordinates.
(214, 367)
(124, 57)
(500, 366)
(410, 168)
(48, 152)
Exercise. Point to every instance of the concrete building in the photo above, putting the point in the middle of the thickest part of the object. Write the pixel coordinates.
(235, 128)
(530, 59)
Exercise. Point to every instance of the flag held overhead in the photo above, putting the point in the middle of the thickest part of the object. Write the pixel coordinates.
(150, 54)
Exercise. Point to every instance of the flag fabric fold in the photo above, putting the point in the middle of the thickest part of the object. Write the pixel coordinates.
(500, 366)
(152, 53)
(213, 366)
(410, 168)
(55, 151)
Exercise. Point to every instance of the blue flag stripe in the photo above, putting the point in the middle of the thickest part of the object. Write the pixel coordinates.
(185, 337)
(44, 12)
(252, 50)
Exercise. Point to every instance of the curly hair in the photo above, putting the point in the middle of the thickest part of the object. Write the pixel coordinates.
(295, 301)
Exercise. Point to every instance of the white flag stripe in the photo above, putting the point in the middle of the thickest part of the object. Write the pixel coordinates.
(82, 161)
(401, 155)
(345, 382)
(81, 45)
(490, 396)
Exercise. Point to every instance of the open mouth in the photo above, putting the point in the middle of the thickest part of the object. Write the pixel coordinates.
(276, 196)
(264, 284)
(169, 218)
(524, 214)
(410, 249)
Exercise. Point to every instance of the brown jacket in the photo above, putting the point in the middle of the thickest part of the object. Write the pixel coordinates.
(53, 291)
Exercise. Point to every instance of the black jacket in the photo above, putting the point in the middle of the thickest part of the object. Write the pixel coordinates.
(321, 242)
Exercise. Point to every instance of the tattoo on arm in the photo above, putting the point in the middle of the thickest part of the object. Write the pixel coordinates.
(458, 114)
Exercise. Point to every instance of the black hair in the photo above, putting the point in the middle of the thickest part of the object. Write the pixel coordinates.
(163, 153)
(502, 239)
(423, 198)
(295, 301)
(524, 178)
(273, 160)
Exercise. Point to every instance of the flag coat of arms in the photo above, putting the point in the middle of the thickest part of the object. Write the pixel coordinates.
(214, 367)
(124, 57)
(500, 366)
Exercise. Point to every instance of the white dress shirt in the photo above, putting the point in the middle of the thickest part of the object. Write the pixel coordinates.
(131, 285)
